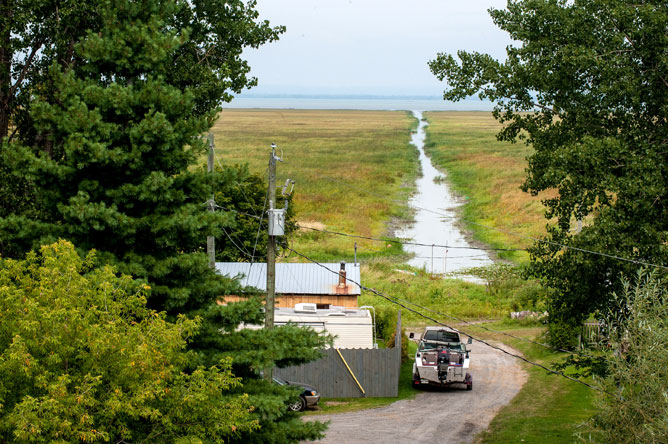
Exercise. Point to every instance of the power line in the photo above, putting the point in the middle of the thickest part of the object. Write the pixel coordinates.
(243, 251)
(418, 244)
(583, 250)
(259, 227)
(508, 232)
(390, 299)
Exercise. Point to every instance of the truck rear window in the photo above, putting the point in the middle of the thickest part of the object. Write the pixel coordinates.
(441, 336)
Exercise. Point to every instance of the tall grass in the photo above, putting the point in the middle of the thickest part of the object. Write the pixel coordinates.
(487, 174)
(351, 168)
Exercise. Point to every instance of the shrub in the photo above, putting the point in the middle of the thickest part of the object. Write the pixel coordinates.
(634, 406)
(83, 360)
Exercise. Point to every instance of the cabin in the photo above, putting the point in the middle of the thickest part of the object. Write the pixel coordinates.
(324, 285)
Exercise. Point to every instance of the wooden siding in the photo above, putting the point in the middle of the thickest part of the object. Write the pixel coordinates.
(377, 370)
(289, 300)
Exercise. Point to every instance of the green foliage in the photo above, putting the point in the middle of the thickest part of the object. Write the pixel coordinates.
(105, 139)
(562, 333)
(634, 408)
(386, 322)
(505, 281)
(83, 360)
(405, 357)
(586, 88)
(245, 195)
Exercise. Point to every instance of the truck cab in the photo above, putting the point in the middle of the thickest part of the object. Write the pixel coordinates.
(441, 359)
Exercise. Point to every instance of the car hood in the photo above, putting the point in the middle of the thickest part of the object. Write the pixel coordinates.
(301, 384)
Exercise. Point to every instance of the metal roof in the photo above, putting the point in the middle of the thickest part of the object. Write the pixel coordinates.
(293, 278)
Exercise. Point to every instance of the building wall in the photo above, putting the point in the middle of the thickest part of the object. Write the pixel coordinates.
(289, 300)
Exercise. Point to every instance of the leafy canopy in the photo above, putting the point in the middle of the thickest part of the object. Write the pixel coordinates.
(586, 86)
(83, 359)
(104, 104)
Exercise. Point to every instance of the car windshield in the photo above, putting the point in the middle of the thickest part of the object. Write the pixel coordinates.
(441, 336)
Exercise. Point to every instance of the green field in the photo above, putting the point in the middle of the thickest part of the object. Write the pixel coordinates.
(487, 174)
(351, 168)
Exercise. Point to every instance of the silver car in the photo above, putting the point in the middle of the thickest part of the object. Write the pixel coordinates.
(308, 398)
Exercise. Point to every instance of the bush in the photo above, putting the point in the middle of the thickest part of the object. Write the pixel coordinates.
(83, 360)
(634, 406)
(404, 344)
(563, 333)
(386, 322)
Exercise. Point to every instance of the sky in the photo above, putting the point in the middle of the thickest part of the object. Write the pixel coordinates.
(376, 47)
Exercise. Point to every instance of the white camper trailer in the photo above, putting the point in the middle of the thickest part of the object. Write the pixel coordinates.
(352, 328)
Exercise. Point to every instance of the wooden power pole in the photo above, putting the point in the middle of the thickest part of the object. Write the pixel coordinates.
(271, 255)
(271, 244)
(210, 240)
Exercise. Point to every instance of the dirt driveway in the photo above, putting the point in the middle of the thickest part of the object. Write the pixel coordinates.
(451, 415)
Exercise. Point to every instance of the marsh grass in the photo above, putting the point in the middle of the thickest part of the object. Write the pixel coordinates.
(351, 168)
(487, 174)
(451, 297)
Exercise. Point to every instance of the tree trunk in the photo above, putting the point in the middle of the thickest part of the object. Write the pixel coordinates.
(5, 72)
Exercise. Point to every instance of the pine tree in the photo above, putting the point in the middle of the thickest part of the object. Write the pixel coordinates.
(104, 151)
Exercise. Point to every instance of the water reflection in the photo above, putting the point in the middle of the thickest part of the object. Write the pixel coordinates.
(435, 225)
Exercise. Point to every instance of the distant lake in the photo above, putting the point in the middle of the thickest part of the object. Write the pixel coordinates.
(420, 103)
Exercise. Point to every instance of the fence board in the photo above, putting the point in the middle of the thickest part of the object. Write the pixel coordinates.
(377, 370)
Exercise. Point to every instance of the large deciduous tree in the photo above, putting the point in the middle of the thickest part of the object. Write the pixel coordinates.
(84, 360)
(586, 84)
(102, 109)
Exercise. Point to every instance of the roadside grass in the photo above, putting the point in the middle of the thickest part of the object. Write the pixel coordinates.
(351, 168)
(487, 174)
(343, 405)
(453, 297)
(549, 408)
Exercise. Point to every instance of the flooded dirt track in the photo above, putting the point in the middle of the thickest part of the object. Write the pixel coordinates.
(451, 415)
(436, 220)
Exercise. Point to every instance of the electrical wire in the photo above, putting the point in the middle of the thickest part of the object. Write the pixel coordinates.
(472, 248)
(418, 244)
(243, 251)
(390, 299)
(508, 232)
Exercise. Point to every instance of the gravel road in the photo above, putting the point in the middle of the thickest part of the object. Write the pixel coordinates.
(451, 415)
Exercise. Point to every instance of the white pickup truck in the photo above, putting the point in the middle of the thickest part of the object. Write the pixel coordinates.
(441, 359)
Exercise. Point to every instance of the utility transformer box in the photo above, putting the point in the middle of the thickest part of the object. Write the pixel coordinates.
(277, 222)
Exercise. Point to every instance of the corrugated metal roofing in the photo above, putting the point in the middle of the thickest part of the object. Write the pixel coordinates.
(292, 278)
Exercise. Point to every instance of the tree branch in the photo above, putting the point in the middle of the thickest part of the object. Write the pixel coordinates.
(11, 136)
(26, 68)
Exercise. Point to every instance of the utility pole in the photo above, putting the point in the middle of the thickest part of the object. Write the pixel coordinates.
(271, 245)
(210, 241)
(271, 255)
(276, 219)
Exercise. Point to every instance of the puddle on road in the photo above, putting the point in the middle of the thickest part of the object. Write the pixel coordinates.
(435, 222)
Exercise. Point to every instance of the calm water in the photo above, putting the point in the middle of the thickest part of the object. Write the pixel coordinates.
(436, 221)
(381, 103)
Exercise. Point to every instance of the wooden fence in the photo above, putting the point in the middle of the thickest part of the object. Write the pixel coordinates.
(592, 335)
(376, 370)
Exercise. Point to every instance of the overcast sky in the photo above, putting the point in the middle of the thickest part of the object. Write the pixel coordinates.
(368, 46)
